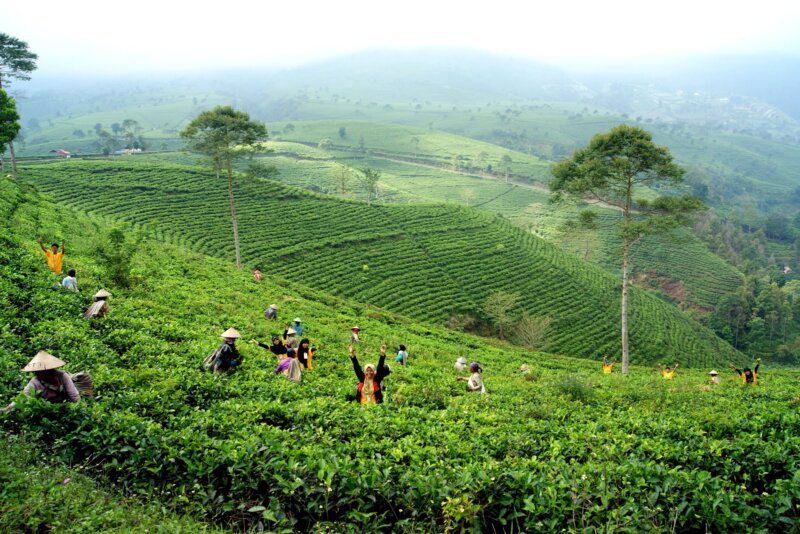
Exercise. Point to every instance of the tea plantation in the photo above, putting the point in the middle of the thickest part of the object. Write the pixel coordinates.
(424, 262)
(565, 448)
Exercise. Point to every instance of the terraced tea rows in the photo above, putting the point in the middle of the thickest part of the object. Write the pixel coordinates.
(424, 261)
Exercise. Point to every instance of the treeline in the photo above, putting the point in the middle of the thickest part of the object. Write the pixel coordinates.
(762, 316)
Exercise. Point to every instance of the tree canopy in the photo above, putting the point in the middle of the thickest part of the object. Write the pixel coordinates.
(16, 60)
(9, 120)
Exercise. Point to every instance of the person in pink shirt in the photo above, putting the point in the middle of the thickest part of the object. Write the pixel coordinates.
(49, 384)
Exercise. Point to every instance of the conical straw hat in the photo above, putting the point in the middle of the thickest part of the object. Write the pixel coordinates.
(355, 328)
(297, 320)
(291, 332)
(102, 294)
(273, 306)
(231, 332)
(42, 362)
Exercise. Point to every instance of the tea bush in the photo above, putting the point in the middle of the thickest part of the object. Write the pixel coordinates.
(636, 454)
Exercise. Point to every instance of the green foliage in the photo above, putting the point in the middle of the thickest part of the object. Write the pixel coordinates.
(9, 120)
(16, 60)
(39, 495)
(251, 447)
(498, 307)
(116, 251)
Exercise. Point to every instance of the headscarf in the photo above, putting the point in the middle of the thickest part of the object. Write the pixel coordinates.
(302, 353)
(368, 389)
(277, 348)
(475, 367)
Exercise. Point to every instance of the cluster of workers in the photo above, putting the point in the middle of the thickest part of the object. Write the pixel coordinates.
(55, 261)
(292, 354)
(747, 375)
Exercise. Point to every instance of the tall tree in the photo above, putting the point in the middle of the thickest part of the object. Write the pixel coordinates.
(9, 122)
(612, 169)
(370, 180)
(16, 61)
(225, 135)
(342, 177)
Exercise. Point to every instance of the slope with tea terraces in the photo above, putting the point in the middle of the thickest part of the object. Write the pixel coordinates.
(427, 262)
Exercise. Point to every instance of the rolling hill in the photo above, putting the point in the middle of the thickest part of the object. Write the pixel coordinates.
(427, 262)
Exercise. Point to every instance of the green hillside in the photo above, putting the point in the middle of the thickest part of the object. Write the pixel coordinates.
(428, 262)
(703, 277)
(250, 451)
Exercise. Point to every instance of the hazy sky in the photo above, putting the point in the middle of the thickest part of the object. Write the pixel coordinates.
(87, 35)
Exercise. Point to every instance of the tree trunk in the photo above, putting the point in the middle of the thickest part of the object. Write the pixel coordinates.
(625, 353)
(233, 218)
(13, 159)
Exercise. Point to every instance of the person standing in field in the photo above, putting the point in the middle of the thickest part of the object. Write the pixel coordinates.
(354, 335)
(747, 375)
(290, 368)
(272, 312)
(369, 380)
(298, 328)
(99, 307)
(304, 354)
(69, 281)
(54, 257)
(461, 364)
(668, 373)
(713, 378)
(227, 356)
(277, 348)
(402, 355)
(475, 380)
(290, 339)
(608, 366)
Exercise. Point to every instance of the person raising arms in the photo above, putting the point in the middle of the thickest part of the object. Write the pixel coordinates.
(54, 257)
(369, 380)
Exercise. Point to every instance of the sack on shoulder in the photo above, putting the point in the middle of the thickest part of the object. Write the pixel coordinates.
(210, 360)
(83, 383)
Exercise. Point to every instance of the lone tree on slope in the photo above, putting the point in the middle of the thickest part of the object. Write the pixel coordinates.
(225, 135)
(16, 61)
(612, 169)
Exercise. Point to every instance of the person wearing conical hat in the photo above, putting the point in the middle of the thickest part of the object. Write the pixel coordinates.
(48, 383)
(227, 356)
(100, 305)
(290, 338)
(272, 312)
(461, 364)
(354, 336)
(713, 378)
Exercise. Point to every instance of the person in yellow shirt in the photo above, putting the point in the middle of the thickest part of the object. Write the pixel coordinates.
(608, 366)
(668, 373)
(54, 257)
(748, 376)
